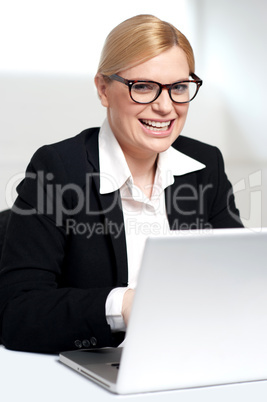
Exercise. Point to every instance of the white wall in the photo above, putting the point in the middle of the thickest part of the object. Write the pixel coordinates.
(232, 59)
(50, 54)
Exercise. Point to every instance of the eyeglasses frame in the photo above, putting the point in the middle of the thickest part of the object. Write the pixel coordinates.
(130, 83)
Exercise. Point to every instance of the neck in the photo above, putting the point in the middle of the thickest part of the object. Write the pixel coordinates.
(143, 171)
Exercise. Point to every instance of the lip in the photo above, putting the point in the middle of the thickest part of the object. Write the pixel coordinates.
(158, 134)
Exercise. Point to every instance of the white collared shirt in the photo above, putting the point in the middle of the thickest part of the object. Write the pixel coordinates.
(142, 216)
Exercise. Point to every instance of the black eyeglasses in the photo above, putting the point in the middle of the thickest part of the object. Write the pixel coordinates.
(148, 91)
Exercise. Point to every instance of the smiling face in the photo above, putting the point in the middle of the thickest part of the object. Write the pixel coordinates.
(145, 130)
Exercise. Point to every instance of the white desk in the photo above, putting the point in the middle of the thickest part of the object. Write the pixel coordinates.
(35, 377)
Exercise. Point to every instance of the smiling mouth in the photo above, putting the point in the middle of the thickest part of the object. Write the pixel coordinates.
(156, 125)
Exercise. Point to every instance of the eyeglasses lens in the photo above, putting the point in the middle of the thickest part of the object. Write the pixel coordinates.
(146, 92)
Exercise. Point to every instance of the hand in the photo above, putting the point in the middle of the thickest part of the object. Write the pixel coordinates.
(127, 305)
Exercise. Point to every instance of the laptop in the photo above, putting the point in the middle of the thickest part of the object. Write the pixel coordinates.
(199, 316)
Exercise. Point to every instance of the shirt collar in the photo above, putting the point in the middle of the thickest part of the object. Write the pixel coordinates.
(114, 171)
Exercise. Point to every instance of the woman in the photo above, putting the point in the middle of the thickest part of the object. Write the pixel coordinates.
(78, 227)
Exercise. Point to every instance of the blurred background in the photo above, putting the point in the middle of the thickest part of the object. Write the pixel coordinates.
(49, 53)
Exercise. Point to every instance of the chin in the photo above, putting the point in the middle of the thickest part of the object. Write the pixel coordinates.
(162, 145)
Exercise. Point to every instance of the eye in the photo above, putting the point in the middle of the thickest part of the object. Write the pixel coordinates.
(144, 87)
(180, 88)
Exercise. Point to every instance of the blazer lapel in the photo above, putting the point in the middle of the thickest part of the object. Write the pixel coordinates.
(181, 201)
(112, 213)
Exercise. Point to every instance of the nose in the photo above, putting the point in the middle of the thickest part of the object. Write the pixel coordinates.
(163, 104)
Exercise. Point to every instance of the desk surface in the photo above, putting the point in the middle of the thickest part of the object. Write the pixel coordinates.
(43, 378)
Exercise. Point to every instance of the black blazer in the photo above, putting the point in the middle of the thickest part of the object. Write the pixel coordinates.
(55, 278)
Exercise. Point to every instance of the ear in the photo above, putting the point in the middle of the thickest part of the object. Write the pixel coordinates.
(102, 89)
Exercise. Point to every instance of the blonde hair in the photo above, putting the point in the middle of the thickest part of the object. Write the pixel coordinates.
(139, 39)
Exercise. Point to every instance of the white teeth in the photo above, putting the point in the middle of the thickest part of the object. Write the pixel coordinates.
(151, 124)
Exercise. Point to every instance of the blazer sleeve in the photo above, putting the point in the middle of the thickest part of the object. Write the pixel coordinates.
(36, 313)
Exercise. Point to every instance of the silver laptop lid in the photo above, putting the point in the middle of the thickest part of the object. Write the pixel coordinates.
(200, 312)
